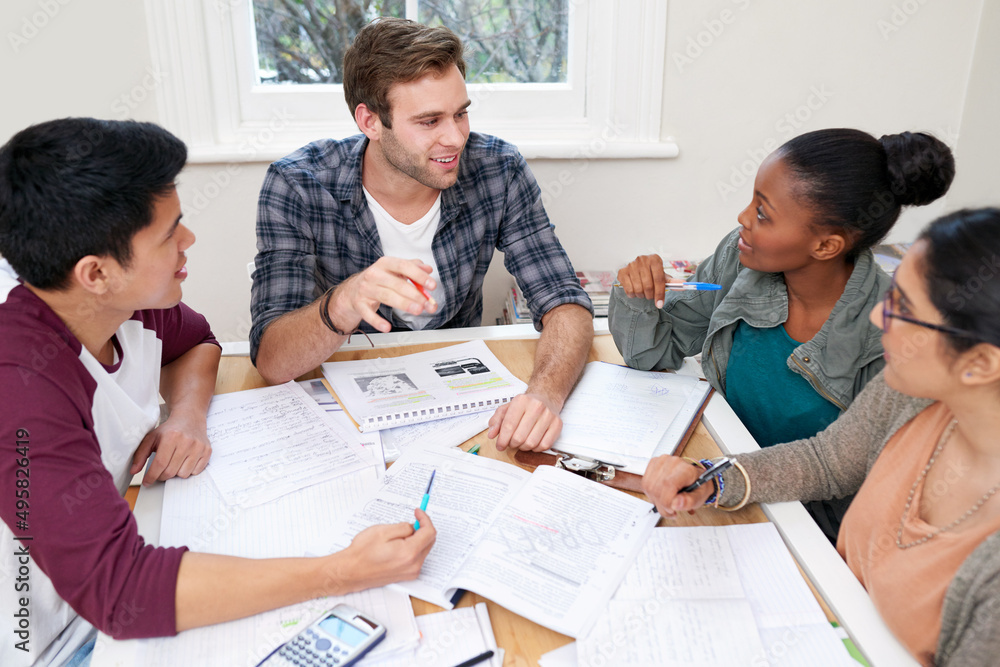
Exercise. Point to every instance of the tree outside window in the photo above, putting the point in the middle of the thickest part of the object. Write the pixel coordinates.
(506, 41)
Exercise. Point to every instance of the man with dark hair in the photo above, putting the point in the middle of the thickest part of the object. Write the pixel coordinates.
(91, 331)
(395, 229)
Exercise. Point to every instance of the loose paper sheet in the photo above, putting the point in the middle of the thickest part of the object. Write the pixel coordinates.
(271, 441)
(450, 638)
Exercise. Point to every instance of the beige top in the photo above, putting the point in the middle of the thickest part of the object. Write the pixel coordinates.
(867, 538)
(834, 464)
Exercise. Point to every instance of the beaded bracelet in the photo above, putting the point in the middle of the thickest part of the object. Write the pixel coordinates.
(720, 485)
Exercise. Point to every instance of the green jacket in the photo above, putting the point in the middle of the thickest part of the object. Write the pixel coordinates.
(837, 362)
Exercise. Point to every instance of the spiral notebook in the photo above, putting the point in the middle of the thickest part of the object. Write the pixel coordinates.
(420, 387)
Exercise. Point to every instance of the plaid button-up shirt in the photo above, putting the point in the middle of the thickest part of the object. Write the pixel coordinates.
(314, 230)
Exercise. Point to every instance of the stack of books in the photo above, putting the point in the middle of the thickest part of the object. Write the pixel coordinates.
(515, 308)
(889, 255)
(679, 269)
(597, 284)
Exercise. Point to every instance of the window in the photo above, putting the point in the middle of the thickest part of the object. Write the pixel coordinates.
(513, 42)
(244, 80)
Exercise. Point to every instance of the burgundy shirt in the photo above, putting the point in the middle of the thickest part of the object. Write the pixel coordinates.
(68, 428)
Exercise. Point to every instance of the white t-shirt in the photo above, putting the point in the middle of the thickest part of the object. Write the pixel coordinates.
(412, 241)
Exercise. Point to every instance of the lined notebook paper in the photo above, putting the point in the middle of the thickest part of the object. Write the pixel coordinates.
(714, 595)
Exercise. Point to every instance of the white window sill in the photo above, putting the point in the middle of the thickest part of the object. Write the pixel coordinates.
(531, 150)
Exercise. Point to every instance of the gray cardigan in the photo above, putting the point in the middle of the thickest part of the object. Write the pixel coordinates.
(834, 463)
(837, 362)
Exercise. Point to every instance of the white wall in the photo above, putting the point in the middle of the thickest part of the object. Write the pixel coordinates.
(741, 76)
(979, 145)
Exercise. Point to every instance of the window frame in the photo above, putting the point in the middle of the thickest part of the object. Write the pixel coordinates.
(611, 107)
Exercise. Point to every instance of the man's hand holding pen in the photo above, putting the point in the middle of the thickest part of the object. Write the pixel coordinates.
(666, 476)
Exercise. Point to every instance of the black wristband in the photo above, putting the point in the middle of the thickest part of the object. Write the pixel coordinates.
(324, 314)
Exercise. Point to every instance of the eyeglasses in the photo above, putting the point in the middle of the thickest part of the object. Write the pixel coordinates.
(888, 312)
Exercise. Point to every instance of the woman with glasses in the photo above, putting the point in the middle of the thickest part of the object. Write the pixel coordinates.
(786, 339)
(920, 446)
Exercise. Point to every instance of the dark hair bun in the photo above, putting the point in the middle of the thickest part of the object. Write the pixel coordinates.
(921, 167)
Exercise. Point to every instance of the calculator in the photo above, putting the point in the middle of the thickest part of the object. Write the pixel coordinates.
(339, 638)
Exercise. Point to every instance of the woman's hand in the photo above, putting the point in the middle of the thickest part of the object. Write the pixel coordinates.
(644, 277)
(666, 476)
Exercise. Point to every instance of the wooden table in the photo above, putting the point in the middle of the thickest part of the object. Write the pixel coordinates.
(523, 640)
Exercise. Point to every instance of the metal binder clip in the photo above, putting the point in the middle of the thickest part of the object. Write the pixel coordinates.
(599, 471)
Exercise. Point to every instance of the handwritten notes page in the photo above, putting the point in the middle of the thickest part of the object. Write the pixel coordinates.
(394, 391)
(195, 515)
(550, 546)
(271, 441)
(622, 415)
(370, 442)
(688, 583)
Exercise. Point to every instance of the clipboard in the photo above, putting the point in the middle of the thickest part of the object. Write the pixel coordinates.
(599, 471)
(609, 473)
(624, 415)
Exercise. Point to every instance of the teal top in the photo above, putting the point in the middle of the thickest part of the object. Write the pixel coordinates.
(775, 404)
(839, 360)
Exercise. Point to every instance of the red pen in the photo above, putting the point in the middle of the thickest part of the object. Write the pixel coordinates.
(422, 290)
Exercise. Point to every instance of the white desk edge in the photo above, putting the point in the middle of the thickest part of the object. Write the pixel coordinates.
(829, 573)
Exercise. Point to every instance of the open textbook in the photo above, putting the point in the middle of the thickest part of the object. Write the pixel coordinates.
(626, 417)
(549, 545)
(393, 391)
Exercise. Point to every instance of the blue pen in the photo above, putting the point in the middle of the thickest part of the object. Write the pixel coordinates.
(426, 498)
(686, 287)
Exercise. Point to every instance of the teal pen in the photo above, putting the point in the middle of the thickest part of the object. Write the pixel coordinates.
(426, 498)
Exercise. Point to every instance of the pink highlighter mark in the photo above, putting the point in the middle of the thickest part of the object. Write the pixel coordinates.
(537, 525)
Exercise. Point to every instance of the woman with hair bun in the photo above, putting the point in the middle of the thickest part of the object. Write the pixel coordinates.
(786, 339)
(919, 446)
